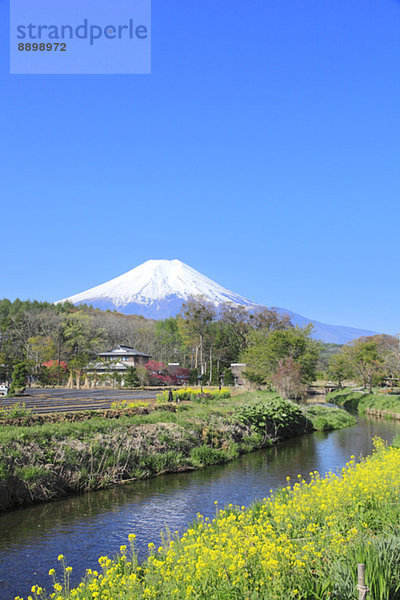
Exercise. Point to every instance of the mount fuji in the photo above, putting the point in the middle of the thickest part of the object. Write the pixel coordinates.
(157, 289)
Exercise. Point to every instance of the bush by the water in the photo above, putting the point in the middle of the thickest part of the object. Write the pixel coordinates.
(304, 542)
(273, 417)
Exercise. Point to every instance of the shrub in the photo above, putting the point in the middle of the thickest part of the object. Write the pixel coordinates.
(274, 417)
(18, 381)
(131, 378)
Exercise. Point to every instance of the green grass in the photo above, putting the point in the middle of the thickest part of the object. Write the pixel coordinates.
(363, 402)
(326, 418)
(42, 461)
(396, 441)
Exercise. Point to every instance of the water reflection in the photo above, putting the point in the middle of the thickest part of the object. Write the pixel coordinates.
(85, 527)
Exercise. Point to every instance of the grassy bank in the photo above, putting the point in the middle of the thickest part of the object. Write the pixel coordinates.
(303, 542)
(56, 456)
(366, 403)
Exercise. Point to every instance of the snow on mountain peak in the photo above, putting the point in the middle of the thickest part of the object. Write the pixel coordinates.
(157, 289)
(153, 282)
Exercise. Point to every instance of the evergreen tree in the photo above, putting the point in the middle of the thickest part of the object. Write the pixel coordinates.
(228, 377)
(44, 376)
(131, 378)
(18, 381)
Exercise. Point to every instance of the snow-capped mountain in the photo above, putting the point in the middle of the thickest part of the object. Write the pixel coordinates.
(157, 289)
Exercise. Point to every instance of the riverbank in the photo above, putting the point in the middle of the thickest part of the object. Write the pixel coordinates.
(376, 404)
(304, 541)
(57, 457)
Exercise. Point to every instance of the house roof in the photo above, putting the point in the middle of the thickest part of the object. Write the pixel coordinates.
(124, 351)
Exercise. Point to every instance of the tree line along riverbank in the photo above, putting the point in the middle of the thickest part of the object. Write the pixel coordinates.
(303, 542)
(46, 457)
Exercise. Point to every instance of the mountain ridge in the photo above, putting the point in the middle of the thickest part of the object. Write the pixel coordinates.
(157, 289)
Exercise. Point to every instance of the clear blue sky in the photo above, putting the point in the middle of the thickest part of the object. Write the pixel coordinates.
(263, 150)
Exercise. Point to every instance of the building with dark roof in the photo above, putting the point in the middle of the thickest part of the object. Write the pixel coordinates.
(117, 361)
(126, 354)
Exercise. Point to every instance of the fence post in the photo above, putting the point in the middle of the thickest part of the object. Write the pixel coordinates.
(362, 588)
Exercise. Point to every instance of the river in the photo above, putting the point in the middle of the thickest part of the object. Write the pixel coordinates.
(88, 526)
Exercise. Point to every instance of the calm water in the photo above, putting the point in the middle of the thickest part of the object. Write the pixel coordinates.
(86, 527)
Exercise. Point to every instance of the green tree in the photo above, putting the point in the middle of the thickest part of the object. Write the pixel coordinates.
(44, 377)
(228, 377)
(266, 348)
(235, 325)
(39, 350)
(365, 360)
(169, 343)
(131, 378)
(223, 344)
(340, 367)
(19, 377)
(389, 351)
(326, 352)
(77, 366)
(80, 336)
(143, 375)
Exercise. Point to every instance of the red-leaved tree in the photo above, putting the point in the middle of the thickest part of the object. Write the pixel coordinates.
(54, 371)
(158, 374)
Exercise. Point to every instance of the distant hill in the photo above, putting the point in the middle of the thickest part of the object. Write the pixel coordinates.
(157, 289)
